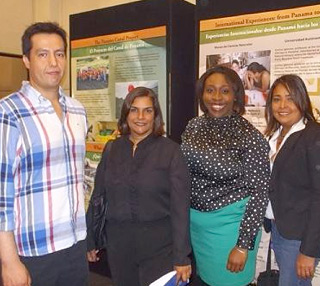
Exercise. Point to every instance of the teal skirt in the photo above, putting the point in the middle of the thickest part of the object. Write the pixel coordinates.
(213, 235)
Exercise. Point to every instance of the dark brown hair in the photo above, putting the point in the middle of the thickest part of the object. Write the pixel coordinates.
(299, 94)
(232, 78)
(123, 127)
(41, 28)
(256, 67)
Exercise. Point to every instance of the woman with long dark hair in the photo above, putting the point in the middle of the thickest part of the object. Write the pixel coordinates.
(294, 139)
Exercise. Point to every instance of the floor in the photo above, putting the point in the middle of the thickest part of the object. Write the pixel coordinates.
(100, 272)
(99, 280)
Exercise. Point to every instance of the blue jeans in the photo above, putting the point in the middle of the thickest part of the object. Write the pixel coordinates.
(286, 252)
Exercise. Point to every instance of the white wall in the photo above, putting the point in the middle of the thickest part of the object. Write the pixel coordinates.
(15, 16)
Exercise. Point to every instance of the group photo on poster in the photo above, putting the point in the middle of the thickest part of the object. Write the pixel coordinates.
(92, 73)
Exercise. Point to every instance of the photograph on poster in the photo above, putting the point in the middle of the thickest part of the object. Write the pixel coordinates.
(253, 68)
(92, 73)
(123, 88)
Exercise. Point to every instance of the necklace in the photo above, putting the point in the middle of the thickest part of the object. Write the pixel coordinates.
(134, 147)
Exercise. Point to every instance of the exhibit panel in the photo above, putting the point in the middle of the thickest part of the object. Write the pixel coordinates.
(281, 41)
(114, 50)
(239, 42)
(174, 66)
(106, 68)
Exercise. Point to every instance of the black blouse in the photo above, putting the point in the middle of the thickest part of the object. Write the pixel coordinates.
(151, 185)
(228, 161)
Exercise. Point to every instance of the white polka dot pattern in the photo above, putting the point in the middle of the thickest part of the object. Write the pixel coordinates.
(228, 161)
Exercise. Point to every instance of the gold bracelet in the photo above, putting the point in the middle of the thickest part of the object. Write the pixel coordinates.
(241, 250)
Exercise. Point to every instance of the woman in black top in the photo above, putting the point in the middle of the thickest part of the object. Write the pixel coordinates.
(228, 163)
(294, 139)
(148, 192)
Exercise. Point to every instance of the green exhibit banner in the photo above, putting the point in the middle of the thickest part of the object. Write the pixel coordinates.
(105, 68)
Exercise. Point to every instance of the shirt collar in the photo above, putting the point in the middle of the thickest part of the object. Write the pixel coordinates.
(150, 138)
(273, 140)
(294, 128)
(36, 97)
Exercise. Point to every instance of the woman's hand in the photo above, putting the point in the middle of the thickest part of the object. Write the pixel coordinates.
(237, 259)
(92, 255)
(305, 266)
(183, 272)
(248, 82)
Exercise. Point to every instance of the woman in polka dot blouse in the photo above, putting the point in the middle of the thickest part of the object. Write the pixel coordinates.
(228, 162)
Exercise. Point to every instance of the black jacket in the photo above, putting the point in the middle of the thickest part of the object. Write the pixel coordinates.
(295, 189)
(151, 185)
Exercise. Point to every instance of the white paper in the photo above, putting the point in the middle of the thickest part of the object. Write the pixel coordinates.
(163, 280)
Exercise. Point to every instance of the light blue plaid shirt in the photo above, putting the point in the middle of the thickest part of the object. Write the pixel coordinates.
(42, 171)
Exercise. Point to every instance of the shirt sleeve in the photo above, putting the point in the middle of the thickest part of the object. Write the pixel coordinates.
(179, 208)
(9, 154)
(256, 168)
